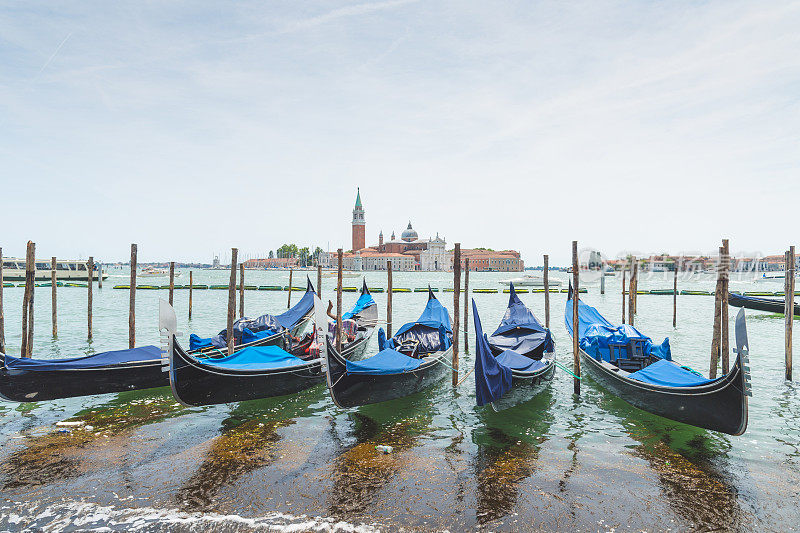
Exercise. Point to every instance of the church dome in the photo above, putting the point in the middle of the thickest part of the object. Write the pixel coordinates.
(409, 234)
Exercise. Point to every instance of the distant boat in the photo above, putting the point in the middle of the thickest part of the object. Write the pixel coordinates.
(345, 274)
(150, 272)
(779, 275)
(72, 270)
(772, 305)
(530, 280)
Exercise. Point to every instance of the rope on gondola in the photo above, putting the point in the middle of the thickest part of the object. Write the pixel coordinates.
(567, 370)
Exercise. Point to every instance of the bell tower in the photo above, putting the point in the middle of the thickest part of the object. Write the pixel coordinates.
(359, 235)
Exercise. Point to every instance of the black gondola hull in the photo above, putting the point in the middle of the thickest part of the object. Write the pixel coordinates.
(525, 386)
(34, 386)
(353, 390)
(719, 406)
(760, 304)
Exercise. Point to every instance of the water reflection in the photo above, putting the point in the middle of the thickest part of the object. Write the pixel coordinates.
(360, 471)
(508, 448)
(62, 453)
(247, 442)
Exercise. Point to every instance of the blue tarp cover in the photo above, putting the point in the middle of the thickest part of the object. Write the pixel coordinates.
(492, 379)
(364, 301)
(257, 358)
(595, 332)
(520, 330)
(291, 317)
(668, 374)
(432, 329)
(144, 353)
(515, 361)
(386, 361)
(252, 336)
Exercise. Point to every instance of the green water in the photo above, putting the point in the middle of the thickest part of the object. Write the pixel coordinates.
(558, 462)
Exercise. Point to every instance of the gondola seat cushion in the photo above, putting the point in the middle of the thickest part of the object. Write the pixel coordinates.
(386, 361)
(257, 358)
(668, 374)
(519, 362)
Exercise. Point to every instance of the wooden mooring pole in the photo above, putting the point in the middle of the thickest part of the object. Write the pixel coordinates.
(232, 299)
(546, 279)
(456, 294)
(2, 315)
(576, 356)
(338, 300)
(603, 279)
(191, 287)
(631, 291)
(132, 306)
(723, 332)
(319, 281)
(100, 275)
(466, 305)
(635, 292)
(241, 290)
(289, 301)
(715, 344)
(675, 297)
(389, 299)
(27, 301)
(53, 297)
(171, 281)
(789, 309)
(90, 281)
(624, 271)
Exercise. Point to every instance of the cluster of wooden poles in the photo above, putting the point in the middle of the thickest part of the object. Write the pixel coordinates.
(720, 347)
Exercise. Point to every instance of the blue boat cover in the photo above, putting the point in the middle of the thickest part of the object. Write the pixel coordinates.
(364, 301)
(252, 336)
(492, 379)
(432, 329)
(118, 357)
(668, 374)
(386, 361)
(256, 358)
(520, 330)
(595, 333)
(275, 324)
(519, 362)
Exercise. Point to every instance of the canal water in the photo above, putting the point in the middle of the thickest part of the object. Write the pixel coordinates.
(559, 462)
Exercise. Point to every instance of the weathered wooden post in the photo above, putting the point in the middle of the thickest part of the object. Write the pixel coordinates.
(389, 299)
(241, 290)
(546, 279)
(338, 301)
(603, 279)
(289, 301)
(27, 301)
(631, 291)
(132, 306)
(191, 287)
(635, 292)
(723, 332)
(576, 356)
(232, 299)
(171, 281)
(624, 271)
(789, 309)
(2, 314)
(90, 281)
(53, 303)
(715, 344)
(466, 305)
(319, 280)
(675, 297)
(456, 294)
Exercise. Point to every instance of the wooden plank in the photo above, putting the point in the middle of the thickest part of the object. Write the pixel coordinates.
(132, 305)
(456, 294)
(338, 300)
(576, 356)
(232, 299)
(191, 288)
(90, 281)
(546, 279)
(389, 299)
(53, 296)
(466, 305)
(241, 290)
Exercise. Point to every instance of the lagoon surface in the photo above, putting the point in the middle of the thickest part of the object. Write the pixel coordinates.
(559, 462)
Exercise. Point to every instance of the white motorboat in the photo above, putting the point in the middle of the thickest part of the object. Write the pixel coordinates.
(151, 272)
(530, 280)
(72, 270)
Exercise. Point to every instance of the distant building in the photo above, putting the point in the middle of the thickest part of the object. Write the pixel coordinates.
(358, 224)
(272, 262)
(490, 260)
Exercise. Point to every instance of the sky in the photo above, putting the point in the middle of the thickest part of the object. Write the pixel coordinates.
(193, 127)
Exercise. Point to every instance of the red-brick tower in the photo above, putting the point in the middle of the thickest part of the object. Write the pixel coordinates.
(359, 236)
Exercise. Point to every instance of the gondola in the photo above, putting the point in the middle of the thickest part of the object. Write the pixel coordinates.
(627, 363)
(517, 362)
(264, 330)
(34, 380)
(773, 305)
(418, 355)
(255, 372)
